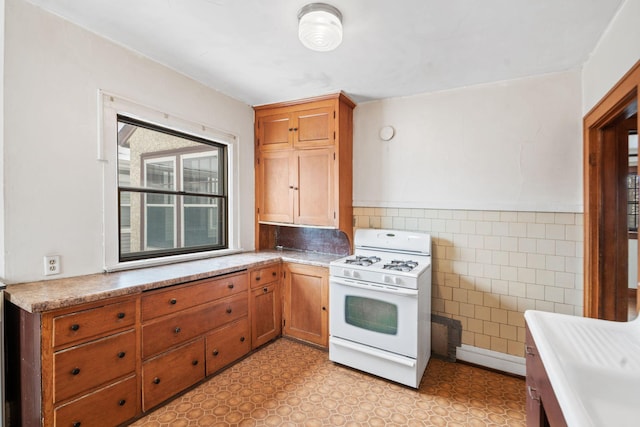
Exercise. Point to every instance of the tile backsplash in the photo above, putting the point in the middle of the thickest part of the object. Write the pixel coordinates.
(490, 266)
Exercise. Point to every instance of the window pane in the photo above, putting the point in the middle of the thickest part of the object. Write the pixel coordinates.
(200, 174)
(160, 227)
(202, 222)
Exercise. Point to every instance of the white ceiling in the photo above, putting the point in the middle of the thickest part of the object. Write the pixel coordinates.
(248, 49)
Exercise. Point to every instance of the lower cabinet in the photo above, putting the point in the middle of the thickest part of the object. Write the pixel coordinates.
(306, 303)
(227, 344)
(107, 407)
(172, 372)
(266, 314)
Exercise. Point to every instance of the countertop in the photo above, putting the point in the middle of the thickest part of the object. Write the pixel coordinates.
(47, 295)
(593, 366)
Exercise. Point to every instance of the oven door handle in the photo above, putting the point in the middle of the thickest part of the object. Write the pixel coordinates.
(375, 352)
(373, 287)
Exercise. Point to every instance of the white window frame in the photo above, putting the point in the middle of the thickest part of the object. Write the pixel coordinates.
(110, 106)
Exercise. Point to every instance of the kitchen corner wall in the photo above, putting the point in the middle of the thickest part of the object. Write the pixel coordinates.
(494, 173)
(489, 267)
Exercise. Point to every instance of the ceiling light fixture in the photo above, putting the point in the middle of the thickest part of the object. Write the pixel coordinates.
(320, 27)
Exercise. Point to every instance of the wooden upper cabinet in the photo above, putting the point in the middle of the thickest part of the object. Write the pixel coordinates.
(304, 154)
(292, 128)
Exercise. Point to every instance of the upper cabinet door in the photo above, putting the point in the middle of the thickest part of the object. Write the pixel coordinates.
(314, 127)
(314, 195)
(274, 187)
(274, 132)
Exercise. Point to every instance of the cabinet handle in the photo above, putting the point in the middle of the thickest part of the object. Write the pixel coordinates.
(229, 310)
(121, 354)
(290, 129)
(215, 352)
(324, 308)
(295, 129)
(77, 424)
(121, 315)
(257, 278)
(177, 330)
(528, 350)
(173, 301)
(194, 363)
(230, 286)
(291, 187)
(241, 339)
(156, 380)
(532, 393)
(295, 188)
(122, 402)
(75, 371)
(265, 290)
(75, 327)
(274, 274)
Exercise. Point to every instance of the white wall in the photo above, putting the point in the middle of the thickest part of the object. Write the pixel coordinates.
(53, 182)
(2, 228)
(514, 145)
(633, 263)
(615, 54)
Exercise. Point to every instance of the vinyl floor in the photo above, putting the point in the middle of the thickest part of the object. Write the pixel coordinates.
(288, 383)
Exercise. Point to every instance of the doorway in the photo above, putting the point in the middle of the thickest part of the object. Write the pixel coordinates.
(608, 213)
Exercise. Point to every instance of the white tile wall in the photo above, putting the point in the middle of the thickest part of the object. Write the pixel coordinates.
(491, 266)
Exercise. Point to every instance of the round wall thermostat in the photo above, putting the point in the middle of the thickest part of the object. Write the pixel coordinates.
(387, 132)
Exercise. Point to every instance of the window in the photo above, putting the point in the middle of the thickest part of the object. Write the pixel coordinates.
(633, 187)
(172, 192)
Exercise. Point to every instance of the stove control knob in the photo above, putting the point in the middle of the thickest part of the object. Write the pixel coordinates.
(390, 279)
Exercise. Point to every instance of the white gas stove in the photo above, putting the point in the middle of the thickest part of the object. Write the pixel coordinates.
(381, 305)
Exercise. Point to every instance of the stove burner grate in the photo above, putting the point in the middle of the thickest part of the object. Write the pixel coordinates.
(363, 260)
(399, 265)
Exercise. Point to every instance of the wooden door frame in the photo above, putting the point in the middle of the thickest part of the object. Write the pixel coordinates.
(600, 298)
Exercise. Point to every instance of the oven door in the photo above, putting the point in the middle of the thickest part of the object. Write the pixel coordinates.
(375, 315)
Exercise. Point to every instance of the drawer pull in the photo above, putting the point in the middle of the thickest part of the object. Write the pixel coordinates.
(265, 290)
(121, 315)
(215, 352)
(121, 355)
(75, 327)
(241, 339)
(194, 363)
(75, 371)
(156, 380)
(532, 393)
(229, 310)
(257, 278)
(122, 402)
(77, 424)
(177, 330)
(274, 274)
(173, 301)
(230, 286)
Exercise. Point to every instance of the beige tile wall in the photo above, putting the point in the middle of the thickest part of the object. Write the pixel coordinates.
(490, 266)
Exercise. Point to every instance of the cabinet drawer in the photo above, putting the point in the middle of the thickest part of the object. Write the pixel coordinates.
(89, 365)
(92, 323)
(107, 407)
(265, 275)
(173, 330)
(227, 344)
(180, 297)
(166, 375)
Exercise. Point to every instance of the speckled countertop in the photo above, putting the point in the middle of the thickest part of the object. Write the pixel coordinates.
(59, 293)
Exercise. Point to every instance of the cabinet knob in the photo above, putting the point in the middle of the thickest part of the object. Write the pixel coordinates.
(177, 330)
(75, 371)
(121, 355)
(121, 402)
(77, 424)
(156, 380)
(229, 310)
(121, 315)
(265, 290)
(194, 363)
(295, 188)
(173, 301)
(75, 327)
(528, 350)
(230, 286)
(274, 274)
(215, 352)
(241, 339)
(257, 278)
(295, 129)
(324, 308)
(291, 187)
